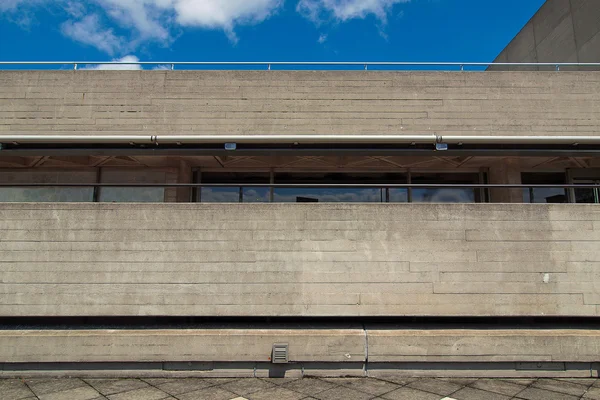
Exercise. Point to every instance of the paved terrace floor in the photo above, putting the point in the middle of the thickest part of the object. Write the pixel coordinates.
(297, 389)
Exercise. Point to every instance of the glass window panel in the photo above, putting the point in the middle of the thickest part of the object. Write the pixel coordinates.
(132, 195)
(220, 195)
(544, 195)
(433, 195)
(398, 195)
(585, 196)
(444, 195)
(550, 195)
(256, 195)
(328, 195)
(46, 194)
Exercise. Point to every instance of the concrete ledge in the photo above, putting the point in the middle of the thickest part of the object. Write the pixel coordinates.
(211, 345)
(195, 348)
(508, 345)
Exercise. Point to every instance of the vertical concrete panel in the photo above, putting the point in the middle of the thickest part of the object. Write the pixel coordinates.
(586, 20)
(549, 16)
(523, 45)
(506, 172)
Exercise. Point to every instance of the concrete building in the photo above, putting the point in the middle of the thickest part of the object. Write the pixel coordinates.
(406, 260)
(561, 31)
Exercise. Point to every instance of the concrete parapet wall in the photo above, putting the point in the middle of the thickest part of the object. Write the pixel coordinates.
(335, 346)
(298, 102)
(299, 260)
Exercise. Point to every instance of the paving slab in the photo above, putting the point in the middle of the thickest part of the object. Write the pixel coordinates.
(468, 393)
(541, 394)
(180, 386)
(309, 386)
(343, 393)
(79, 393)
(406, 393)
(580, 381)
(246, 386)
(498, 386)
(375, 387)
(45, 386)
(113, 386)
(210, 393)
(560, 387)
(279, 381)
(14, 389)
(592, 393)
(149, 393)
(459, 381)
(278, 393)
(435, 386)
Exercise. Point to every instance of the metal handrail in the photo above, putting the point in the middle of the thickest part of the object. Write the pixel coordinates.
(315, 185)
(269, 64)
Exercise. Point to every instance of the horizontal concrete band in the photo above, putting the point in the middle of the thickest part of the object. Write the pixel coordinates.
(299, 260)
(305, 345)
(182, 103)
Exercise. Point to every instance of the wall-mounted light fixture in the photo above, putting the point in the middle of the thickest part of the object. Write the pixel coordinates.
(230, 146)
(441, 146)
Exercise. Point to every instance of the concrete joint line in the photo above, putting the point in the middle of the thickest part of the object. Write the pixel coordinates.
(366, 364)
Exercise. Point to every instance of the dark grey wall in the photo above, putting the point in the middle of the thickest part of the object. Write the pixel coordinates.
(561, 31)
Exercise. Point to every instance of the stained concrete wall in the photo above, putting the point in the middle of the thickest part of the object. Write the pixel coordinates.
(298, 102)
(299, 260)
(561, 31)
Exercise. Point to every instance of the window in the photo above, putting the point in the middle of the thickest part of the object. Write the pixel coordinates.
(47, 194)
(234, 194)
(327, 188)
(133, 194)
(445, 195)
(338, 195)
(544, 195)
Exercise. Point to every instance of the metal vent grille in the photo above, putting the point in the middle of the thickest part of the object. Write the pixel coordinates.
(280, 353)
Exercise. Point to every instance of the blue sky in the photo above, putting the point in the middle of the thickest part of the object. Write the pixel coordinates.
(259, 30)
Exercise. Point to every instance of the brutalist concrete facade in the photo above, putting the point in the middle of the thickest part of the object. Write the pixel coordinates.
(404, 285)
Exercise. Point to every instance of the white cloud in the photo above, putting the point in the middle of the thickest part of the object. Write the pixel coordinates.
(117, 27)
(147, 20)
(221, 14)
(89, 31)
(322, 38)
(118, 67)
(343, 10)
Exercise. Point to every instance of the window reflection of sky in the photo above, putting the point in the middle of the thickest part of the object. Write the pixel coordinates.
(256, 195)
(332, 195)
(443, 195)
(345, 195)
(220, 195)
